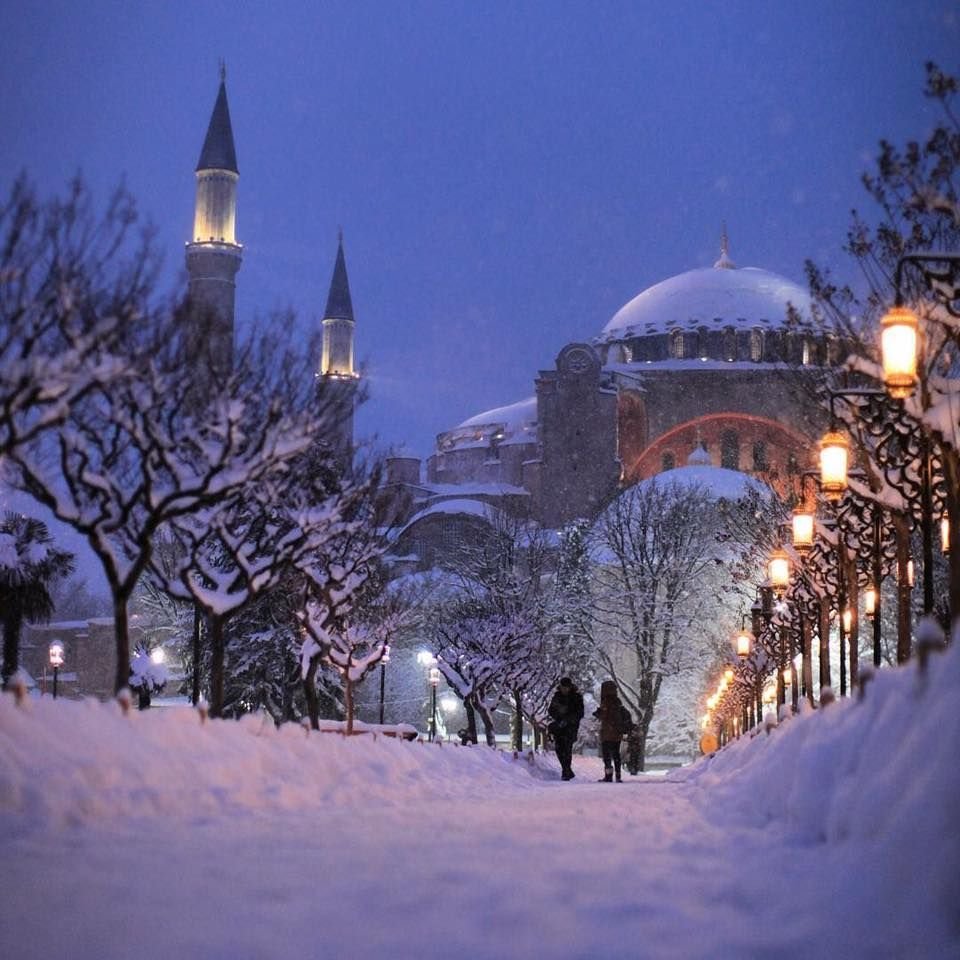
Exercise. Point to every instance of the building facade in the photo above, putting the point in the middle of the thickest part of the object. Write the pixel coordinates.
(705, 363)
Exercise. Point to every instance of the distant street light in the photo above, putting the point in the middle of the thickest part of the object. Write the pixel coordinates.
(56, 661)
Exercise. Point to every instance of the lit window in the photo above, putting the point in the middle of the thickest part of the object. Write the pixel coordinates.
(756, 345)
(668, 461)
(677, 345)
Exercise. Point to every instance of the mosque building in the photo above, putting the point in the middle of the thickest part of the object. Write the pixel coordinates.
(690, 367)
(689, 370)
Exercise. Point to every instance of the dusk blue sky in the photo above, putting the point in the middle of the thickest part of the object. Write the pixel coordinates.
(506, 175)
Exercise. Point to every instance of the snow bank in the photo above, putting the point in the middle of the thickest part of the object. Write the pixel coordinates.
(877, 777)
(68, 762)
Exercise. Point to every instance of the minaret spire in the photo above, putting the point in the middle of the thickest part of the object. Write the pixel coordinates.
(338, 377)
(213, 255)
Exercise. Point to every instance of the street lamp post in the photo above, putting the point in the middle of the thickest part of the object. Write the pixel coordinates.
(434, 683)
(56, 661)
(384, 660)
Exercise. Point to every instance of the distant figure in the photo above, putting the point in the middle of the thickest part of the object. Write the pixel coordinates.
(615, 721)
(566, 712)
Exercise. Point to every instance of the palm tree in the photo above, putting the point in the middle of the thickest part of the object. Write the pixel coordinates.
(29, 563)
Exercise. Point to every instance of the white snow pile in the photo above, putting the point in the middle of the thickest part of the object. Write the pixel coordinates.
(877, 777)
(69, 762)
(157, 834)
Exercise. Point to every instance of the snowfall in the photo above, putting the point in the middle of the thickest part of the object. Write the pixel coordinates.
(154, 835)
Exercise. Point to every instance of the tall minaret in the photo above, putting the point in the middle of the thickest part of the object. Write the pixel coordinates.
(337, 374)
(213, 256)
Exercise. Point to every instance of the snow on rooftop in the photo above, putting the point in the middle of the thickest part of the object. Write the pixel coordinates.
(511, 424)
(458, 505)
(714, 297)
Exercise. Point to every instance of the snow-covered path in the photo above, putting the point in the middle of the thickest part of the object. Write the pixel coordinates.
(155, 836)
(580, 870)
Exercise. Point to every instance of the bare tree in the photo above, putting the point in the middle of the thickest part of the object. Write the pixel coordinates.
(70, 283)
(655, 550)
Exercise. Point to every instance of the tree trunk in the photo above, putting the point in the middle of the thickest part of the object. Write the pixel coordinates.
(217, 665)
(348, 702)
(143, 698)
(517, 722)
(488, 730)
(471, 720)
(195, 684)
(643, 728)
(121, 633)
(310, 693)
(12, 622)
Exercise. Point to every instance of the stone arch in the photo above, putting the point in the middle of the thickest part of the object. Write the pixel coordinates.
(783, 446)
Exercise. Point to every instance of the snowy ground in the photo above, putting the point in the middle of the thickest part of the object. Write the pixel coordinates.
(154, 837)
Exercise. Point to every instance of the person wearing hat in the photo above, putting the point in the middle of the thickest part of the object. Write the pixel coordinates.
(566, 712)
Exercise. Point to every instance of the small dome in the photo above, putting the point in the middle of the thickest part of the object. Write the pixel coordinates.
(515, 423)
(699, 458)
(713, 297)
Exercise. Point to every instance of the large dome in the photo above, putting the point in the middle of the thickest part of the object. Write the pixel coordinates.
(712, 297)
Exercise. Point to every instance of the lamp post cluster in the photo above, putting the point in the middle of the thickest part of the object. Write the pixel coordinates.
(846, 539)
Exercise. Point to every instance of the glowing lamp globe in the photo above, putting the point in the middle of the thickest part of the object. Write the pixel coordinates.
(945, 534)
(834, 457)
(56, 654)
(899, 340)
(870, 601)
(744, 642)
(728, 675)
(787, 676)
(778, 570)
(847, 620)
(802, 530)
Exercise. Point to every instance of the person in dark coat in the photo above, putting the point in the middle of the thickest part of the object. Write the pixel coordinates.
(566, 712)
(615, 721)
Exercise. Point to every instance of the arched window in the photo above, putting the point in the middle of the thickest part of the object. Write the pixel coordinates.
(668, 461)
(760, 464)
(730, 450)
(756, 344)
(729, 343)
(702, 343)
(677, 344)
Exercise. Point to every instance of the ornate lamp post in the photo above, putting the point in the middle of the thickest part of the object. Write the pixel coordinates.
(56, 661)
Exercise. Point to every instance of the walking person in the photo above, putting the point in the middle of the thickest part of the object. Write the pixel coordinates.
(566, 712)
(615, 721)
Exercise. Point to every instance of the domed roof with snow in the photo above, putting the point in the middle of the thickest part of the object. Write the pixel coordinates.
(717, 482)
(514, 423)
(716, 297)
